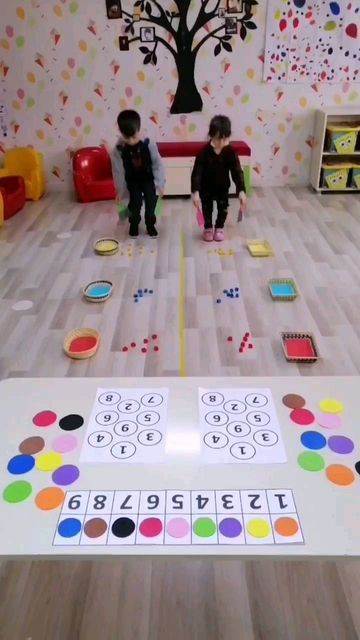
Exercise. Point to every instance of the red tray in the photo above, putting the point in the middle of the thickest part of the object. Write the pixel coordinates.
(299, 347)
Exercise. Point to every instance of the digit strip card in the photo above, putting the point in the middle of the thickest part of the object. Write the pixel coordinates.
(240, 426)
(126, 425)
(177, 517)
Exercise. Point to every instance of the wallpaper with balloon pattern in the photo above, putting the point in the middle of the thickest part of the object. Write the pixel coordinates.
(63, 81)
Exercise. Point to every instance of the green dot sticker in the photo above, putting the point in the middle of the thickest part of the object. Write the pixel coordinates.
(17, 491)
(204, 527)
(310, 461)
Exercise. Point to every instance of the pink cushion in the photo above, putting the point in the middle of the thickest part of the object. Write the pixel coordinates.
(189, 149)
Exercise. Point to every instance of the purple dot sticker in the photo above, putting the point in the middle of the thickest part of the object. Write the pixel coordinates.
(64, 444)
(67, 474)
(341, 444)
(230, 527)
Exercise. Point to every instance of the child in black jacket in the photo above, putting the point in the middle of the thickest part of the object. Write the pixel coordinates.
(210, 179)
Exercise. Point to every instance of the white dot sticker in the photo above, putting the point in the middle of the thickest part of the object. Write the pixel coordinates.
(234, 406)
(107, 418)
(213, 398)
(216, 418)
(238, 429)
(216, 440)
(125, 428)
(123, 450)
(100, 439)
(258, 418)
(109, 398)
(266, 438)
(242, 450)
(129, 406)
(256, 400)
(152, 400)
(148, 418)
(149, 437)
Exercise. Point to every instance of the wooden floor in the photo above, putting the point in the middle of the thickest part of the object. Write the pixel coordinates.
(46, 258)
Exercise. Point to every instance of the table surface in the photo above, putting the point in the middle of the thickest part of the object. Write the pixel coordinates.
(329, 514)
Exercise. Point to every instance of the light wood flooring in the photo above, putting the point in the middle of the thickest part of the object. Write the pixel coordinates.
(316, 240)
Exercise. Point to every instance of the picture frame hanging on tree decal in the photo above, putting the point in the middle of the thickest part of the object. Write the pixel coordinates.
(113, 9)
(231, 26)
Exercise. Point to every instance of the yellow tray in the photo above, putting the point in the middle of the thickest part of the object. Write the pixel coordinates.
(106, 246)
(260, 248)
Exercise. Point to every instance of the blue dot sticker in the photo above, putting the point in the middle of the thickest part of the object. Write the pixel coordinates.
(69, 527)
(313, 440)
(21, 464)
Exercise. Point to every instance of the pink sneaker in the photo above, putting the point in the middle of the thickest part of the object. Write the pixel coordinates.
(219, 235)
(208, 235)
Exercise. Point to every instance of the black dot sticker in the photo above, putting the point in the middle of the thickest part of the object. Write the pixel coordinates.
(71, 422)
(357, 467)
(123, 527)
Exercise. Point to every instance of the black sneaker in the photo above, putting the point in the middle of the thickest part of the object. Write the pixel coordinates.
(152, 232)
(134, 230)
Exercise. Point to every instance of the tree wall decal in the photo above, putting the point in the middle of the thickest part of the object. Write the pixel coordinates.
(184, 40)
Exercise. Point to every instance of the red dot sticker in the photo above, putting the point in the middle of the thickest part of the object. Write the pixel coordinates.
(44, 419)
(151, 527)
(302, 417)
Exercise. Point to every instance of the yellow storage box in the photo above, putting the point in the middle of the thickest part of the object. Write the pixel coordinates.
(343, 137)
(355, 183)
(335, 175)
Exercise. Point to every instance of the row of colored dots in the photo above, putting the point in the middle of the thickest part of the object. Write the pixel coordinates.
(203, 527)
(46, 499)
(35, 444)
(62, 474)
(48, 418)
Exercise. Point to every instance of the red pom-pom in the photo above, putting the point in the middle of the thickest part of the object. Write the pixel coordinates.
(146, 341)
(144, 350)
(230, 339)
(251, 346)
(125, 349)
(133, 344)
(156, 348)
(154, 336)
(241, 349)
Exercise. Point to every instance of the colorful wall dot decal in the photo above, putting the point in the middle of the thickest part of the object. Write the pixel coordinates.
(49, 498)
(21, 464)
(286, 526)
(341, 444)
(123, 527)
(313, 440)
(74, 7)
(330, 405)
(258, 528)
(334, 8)
(204, 527)
(69, 527)
(71, 422)
(340, 474)
(352, 30)
(32, 445)
(65, 475)
(151, 527)
(310, 461)
(64, 444)
(299, 3)
(329, 420)
(49, 461)
(293, 401)
(230, 527)
(17, 491)
(178, 528)
(302, 417)
(95, 528)
(330, 25)
(20, 42)
(44, 418)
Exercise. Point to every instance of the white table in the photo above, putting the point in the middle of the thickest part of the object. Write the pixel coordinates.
(329, 514)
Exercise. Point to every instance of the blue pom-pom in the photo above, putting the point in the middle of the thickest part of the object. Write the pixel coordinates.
(218, 300)
(151, 291)
(236, 288)
(225, 291)
(145, 290)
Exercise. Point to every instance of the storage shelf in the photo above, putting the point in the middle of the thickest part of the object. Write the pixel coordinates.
(348, 189)
(340, 155)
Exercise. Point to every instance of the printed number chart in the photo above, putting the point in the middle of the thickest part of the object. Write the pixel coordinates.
(255, 517)
(240, 426)
(126, 425)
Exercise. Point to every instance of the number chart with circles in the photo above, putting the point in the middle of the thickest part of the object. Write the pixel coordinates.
(126, 425)
(240, 426)
(176, 517)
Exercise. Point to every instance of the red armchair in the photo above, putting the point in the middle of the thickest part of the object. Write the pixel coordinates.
(12, 192)
(92, 173)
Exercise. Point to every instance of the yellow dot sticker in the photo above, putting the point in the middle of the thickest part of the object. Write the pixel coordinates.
(330, 405)
(49, 461)
(258, 528)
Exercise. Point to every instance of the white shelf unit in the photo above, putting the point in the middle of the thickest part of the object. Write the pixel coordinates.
(323, 118)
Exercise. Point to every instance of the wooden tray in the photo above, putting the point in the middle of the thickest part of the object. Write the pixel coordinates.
(260, 248)
(106, 246)
(299, 347)
(80, 344)
(98, 290)
(283, 289)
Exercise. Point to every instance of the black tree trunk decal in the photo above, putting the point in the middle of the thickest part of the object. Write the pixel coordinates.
(184, 41)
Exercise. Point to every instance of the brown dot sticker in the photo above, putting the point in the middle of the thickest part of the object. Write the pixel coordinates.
(293, 401)
(95, 527)
(32, 445)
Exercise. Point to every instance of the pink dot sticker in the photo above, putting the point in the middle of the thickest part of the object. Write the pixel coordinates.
(329, 420)
(302, 417)
(44, 419)
(64, 444)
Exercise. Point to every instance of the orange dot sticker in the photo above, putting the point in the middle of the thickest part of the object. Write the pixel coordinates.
(49, 498)
(286, 527)
(340, 474)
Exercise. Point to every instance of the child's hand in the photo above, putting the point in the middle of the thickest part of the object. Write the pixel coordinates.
(196, 199)
(242, 198)
(118, 199)
(160, 193)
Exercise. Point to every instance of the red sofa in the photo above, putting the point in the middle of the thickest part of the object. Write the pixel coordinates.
(188, 149)
(92, 174)
(12, 190)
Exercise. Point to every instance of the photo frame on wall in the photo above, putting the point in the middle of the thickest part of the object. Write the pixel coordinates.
(147, 34)
(124, 43)
(231, 26)
(113, 9)
(222, 12)
(235, 6)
